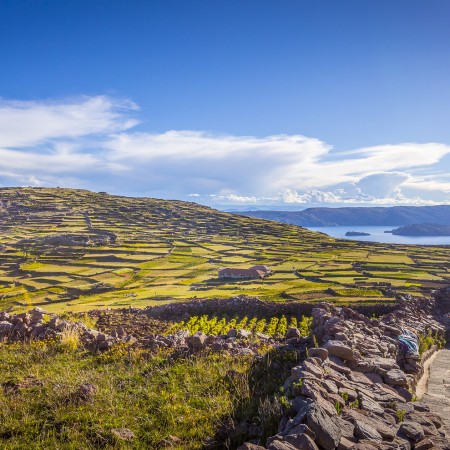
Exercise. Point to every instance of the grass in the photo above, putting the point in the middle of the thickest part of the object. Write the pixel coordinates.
(160, 400)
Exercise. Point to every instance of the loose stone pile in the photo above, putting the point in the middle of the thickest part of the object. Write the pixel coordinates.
(355, 390)
(39, 324)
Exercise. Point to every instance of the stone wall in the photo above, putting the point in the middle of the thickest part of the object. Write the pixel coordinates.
(245, 305)
(355, 391)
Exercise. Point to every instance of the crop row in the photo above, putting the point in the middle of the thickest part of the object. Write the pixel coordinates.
(276, 326)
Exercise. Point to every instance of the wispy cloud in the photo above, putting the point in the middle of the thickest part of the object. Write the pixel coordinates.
(24, 124)
(92, 142)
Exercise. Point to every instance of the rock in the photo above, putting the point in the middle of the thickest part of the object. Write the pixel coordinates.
(370, 405)
(396, 377)
(337, 348)
(38, 310)
(309, 367)
(365, 446)
(280, 445)
(425, 444)
(402, 441)
(301, 442)
(321, 353)
(349, 393)
(104, 345)
(328, 433)
(346, 427)
(365, 366)
(365, 431)
(198, 339)
(243, 334)
(63, 325)
(366, 378)
(338, 365)
(385, 363)
(262, 336)
(386, 429)
(292, 333)
(330, 386)
(345, 444)
(123, 434)
(421, 407)
(249, 446)
(87, 391)
(404, 393)
(413, 430)
(300, 405)
(232, 332)
(5, 328)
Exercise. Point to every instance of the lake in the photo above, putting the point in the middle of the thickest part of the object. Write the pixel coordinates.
(377, 234)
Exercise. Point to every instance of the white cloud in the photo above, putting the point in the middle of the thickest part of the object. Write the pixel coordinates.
(90, 142)
(25, 124)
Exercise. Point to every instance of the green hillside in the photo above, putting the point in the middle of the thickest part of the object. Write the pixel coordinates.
(67, 249)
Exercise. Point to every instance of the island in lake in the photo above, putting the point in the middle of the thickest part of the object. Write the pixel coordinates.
(356, 233)
(422, 229)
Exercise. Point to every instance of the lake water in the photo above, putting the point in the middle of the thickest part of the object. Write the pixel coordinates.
(377, 234)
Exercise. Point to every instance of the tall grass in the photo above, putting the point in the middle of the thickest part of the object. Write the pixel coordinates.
(156, 397)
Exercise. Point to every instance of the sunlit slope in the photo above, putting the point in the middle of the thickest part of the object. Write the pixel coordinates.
(75, 249)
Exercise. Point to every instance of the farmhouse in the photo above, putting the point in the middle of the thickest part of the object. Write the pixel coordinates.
(258, 271)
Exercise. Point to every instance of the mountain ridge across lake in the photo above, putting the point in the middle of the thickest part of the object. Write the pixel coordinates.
(376, 216)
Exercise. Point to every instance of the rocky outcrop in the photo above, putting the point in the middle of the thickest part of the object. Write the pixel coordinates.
(355, 391)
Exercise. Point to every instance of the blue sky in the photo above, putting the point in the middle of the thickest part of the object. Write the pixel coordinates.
(236, 102)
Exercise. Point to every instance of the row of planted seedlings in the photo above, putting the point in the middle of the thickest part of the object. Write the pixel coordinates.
(273, 327)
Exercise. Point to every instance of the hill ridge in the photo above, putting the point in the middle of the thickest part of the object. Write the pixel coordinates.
(357, 215)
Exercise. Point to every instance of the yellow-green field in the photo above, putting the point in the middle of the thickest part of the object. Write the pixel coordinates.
(168, 251)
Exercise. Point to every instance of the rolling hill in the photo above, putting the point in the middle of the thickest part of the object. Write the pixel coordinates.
(66, 249)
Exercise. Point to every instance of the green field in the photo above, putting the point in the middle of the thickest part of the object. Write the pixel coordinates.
(167, 251)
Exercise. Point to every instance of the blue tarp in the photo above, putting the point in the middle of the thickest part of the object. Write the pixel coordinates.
(408, 342)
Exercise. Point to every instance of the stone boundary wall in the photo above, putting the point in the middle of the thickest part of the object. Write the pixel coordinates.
(246, 305)
(38, 324)
(356, 389)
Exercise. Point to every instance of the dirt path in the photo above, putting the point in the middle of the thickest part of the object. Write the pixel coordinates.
(437, 395)
(422, 385)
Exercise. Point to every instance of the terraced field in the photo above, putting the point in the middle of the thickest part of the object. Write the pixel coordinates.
(77, 250)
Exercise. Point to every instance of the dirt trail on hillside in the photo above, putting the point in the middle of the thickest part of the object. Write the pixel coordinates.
(438, 389)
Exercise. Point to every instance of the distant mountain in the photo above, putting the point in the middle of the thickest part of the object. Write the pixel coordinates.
(362, 216)
(423, 229)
